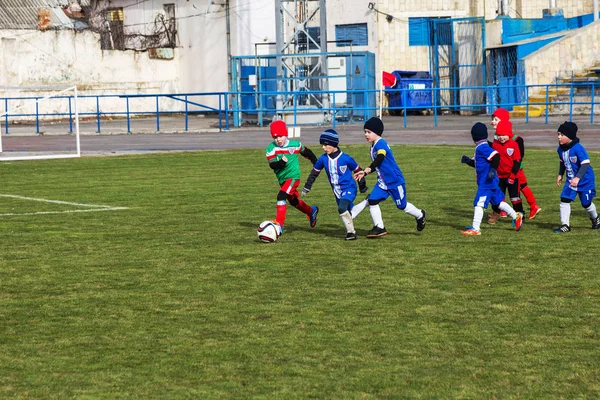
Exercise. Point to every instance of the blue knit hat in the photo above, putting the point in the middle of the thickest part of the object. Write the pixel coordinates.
(330, 138)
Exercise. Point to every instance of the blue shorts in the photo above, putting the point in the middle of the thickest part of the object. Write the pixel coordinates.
(586, 193)
(398, 194)
(487, 195)
(349, 195)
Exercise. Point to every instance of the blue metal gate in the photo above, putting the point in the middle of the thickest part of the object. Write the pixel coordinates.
(458, 63)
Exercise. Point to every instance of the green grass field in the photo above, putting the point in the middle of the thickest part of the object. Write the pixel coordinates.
(174, 297)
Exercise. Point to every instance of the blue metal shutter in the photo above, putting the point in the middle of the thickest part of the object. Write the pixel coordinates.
(356, 33)
(418, 31)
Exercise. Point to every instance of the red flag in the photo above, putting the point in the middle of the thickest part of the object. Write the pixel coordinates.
(389, 80)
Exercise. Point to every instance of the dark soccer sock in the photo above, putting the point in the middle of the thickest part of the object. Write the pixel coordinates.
(518, 206)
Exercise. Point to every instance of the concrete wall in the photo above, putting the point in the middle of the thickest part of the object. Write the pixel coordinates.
(200, 60)
(64, 58)
(564, 56)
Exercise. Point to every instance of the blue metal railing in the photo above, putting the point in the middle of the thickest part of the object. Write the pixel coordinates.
(361, 104)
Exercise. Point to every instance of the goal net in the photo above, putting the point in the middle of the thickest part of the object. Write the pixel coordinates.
(39, 123)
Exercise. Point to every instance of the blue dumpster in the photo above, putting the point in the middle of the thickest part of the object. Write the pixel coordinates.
(412, 90)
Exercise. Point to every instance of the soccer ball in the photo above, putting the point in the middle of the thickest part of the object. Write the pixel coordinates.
(268, 231)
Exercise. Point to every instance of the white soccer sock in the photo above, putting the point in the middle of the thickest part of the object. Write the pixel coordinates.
(477, 217)
(357, 209)
(412, 210)
(591, 210)
(376, 215)
(503, 206)
(347, 219)
(565, 213)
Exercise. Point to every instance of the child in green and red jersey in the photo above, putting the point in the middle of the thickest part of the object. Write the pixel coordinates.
(282, 155)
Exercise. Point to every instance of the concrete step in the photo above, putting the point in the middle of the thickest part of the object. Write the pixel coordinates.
(534, 111)
(556, 91)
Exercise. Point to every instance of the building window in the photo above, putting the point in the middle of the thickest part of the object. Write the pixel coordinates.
(313, 41)
(112, 35)
(351, 35)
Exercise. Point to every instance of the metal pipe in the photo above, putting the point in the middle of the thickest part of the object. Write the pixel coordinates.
(595, 10)
(503, 8)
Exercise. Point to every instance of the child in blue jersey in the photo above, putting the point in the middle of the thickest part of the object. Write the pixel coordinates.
(390, 181)
(575, 161)
(485, 162)
(340, 168)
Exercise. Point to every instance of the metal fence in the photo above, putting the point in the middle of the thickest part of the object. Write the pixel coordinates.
(566, 99)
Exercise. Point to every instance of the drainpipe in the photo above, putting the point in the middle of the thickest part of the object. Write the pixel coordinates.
(552, 4)
(595, 10)
(503, 8)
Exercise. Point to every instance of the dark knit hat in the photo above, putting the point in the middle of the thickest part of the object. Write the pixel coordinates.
(504, 128)
(278, 128)
(502, 114)
(375, 125)
(329, 138)
(569, 129)
(479, 132)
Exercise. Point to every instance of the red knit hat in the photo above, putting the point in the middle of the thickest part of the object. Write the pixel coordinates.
(278, 128)
(502, 113)
(504, 128)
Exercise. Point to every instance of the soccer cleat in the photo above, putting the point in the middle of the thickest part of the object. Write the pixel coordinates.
(534, 211)
(518, 221)
(421, 222)
(493, 218)
(376, 232)
(471, 232)
(503, 214)
(351, 236)
(312, 218)
(562, 229)
(595, 222)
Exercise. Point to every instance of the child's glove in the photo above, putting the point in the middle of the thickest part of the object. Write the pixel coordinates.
(511, 180)
(465, 159)
(362, 186)
(492, 174)
(304, 192)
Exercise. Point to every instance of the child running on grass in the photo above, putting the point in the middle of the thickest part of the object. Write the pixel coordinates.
(502, 114)
(282, 155)
(581, 181)
(390, 180)
(340, 168)
(508, 169)
(485, 162)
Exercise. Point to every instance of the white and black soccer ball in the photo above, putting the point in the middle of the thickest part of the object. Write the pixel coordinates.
(268, 231)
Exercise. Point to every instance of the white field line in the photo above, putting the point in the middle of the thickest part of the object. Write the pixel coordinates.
(92, 207)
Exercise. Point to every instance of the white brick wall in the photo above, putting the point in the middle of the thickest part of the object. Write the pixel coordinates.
(566, 55)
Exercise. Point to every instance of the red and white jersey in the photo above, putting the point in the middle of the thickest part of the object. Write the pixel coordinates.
(509, 153)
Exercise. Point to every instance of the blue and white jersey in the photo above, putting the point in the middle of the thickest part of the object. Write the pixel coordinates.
(388, 173)
(573, 159)
(483, 158)
(339, 171)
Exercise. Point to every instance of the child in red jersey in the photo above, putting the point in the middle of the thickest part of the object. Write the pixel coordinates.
(508, 169)
(502, 114)
(282, 155)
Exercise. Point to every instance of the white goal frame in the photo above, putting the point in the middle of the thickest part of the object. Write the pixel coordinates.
(47, 156)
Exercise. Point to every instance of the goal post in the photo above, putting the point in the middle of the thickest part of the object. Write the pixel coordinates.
(27, 108)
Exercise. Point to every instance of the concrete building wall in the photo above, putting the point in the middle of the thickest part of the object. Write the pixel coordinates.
(564, 56)
(200, 61)
(74, 58)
